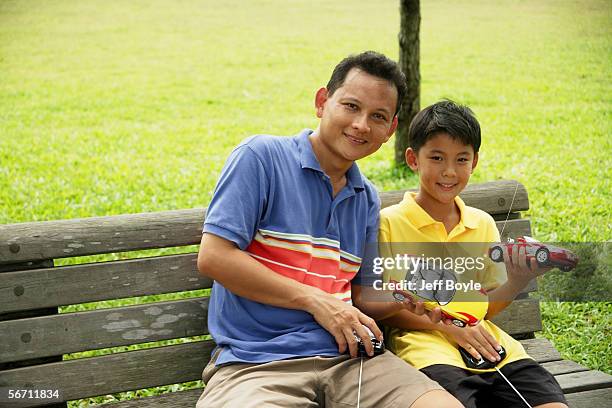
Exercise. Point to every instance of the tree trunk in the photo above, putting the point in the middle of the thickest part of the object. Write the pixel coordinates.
(410, 15)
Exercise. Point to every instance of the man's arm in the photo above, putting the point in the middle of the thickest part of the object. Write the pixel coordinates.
(238, 272)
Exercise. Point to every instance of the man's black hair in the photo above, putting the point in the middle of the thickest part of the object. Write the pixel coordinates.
(446, 116)
(375, 64)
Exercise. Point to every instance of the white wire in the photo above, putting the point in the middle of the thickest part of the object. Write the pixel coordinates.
(510, 384)
(359, 388)
(509, 210)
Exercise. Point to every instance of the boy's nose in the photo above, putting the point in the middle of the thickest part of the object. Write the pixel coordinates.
(449, 171)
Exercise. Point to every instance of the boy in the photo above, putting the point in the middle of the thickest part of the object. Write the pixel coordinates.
(444, 140)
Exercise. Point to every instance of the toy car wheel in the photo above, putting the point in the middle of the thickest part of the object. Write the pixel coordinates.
(497, 254)
(542, 255)
(458, 323)
(399, 297)
(565, 268)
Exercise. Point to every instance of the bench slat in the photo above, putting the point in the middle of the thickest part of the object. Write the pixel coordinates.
(493, 197)
(522, 316)
(563, 367)
(68, 285)
(588, 399)
(99, 235)
(73, 332)
(584, 381)
(176, 399)
(116, 372)
(541, 350)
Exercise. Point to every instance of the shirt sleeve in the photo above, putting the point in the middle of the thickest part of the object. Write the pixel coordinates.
(239, 199)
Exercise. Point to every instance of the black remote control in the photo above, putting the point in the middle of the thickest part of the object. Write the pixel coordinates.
(379, 346)
(481, 364)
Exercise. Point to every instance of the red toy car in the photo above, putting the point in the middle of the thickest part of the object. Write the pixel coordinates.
(545, 255)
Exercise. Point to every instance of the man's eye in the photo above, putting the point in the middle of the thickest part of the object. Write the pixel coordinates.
(379, 116)
(351, 106)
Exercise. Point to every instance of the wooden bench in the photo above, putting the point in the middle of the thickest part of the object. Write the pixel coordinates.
(34, 336)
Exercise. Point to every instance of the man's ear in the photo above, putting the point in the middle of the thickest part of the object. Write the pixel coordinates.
(320, 99)
(475, 161)
(392, 128)
(411, 160)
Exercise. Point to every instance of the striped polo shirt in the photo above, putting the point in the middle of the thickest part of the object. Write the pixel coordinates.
(274, 201)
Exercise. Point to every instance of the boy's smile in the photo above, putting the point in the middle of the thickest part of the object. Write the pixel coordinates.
(444, 166)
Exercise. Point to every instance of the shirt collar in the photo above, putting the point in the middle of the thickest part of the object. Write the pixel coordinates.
(308, 160)
(420, 218)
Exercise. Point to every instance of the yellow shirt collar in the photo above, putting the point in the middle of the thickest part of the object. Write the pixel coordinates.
(420, 218)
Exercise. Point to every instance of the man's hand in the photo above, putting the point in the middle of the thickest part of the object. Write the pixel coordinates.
(344, 322)
(476, 340)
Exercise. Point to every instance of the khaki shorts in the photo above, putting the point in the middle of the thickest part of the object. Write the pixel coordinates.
(387, 381)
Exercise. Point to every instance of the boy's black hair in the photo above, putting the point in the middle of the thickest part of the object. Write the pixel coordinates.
(444, 117)
(375, 64)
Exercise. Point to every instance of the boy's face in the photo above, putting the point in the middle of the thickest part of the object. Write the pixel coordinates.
(444, 166)
(358, 118)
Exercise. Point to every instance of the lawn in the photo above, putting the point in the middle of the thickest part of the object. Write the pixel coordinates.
(111, 107)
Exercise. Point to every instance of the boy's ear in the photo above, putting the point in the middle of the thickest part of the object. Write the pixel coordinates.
(320, 99)
(411, 160)
(475, 161)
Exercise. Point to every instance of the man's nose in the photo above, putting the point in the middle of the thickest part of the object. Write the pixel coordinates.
(360, 123)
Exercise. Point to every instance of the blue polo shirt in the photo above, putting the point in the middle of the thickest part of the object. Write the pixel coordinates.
(274, 201)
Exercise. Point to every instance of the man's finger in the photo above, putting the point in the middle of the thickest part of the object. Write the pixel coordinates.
(362, 333)
(351, 341)
(371, 324)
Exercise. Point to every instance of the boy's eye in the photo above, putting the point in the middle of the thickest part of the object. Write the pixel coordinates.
(436, 158)
(350, 106)
(463, 160)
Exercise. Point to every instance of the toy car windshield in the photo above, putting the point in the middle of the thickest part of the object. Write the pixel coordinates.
(438, 293)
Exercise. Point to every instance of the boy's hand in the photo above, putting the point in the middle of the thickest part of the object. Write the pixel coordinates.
(476, 340)
(519, 270)
(418, 309)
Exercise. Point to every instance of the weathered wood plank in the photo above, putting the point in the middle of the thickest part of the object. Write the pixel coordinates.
(116, 372)
(563, 367)
(97, 329)
(493, 197)
(584, 381)
(541, 350)
(99, 235)
(589, 399)
(68, 285)
(176, 399)
(522, 316)
(513, 228)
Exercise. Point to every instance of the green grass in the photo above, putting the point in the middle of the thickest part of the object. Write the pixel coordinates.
(110, 107)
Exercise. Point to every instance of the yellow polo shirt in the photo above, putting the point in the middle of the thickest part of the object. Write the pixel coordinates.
(408, 222)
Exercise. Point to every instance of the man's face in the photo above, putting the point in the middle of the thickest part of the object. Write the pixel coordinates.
(444, 166)
(358, 118)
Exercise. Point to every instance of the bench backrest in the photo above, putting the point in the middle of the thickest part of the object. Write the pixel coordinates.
(34, 336)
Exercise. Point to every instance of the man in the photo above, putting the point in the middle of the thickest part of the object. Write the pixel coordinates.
(284, 236)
